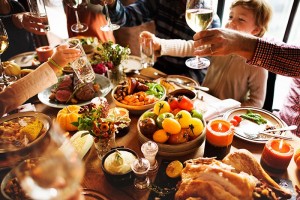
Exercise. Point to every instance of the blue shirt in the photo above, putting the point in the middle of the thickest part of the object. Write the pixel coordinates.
(169, 19)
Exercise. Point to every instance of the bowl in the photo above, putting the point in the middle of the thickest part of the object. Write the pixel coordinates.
(10, 154)
(135, 109)
(174, 150)
(118, 180)
(186, 92)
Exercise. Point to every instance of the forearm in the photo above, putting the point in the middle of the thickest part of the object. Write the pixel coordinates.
(176, 47)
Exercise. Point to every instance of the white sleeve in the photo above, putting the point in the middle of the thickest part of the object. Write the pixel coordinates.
(176, 47)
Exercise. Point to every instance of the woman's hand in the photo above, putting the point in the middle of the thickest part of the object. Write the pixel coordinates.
(64, 55)
(223, 42)
(30, 23)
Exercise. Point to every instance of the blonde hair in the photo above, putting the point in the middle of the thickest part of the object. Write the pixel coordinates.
(262, 12)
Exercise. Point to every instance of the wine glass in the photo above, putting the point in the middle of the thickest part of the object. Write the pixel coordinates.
(109, 26)
(55, 175)
(198, 15)
(78, 27)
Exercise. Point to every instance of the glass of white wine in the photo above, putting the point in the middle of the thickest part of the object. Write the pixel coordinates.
(199, 16)
(78, 27)
(109, 26)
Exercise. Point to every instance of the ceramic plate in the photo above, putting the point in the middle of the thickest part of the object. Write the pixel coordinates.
(184, 80)
(132, 63)
(26, 59)
(249, 126)
(104, 83)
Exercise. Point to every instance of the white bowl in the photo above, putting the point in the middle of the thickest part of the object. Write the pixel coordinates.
(135, 109)
(173, 150)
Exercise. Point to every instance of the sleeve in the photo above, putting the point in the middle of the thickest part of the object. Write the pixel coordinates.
(134, 14)
(257, 84)
(276, 57)
(17, 93)
(176, 47)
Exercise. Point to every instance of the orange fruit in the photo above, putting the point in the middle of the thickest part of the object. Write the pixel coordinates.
(297, 158)
(171, 125)
(174, 169)
(160, 136)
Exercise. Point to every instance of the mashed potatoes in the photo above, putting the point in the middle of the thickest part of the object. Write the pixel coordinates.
(119, 162)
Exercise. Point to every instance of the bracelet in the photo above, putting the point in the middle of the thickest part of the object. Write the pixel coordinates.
(55, 64)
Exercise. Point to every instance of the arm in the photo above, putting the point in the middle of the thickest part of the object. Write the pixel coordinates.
(279, 58)
(43, 77)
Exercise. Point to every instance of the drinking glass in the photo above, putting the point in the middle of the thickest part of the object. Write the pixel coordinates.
(78, 27)
(147, 52)
(37, 9)
(198, 15)
(109, 26)
(81, 66)
(55, 175)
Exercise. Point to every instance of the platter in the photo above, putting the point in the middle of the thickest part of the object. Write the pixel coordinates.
(249, 126)
(26, 59)
(105, 88)
(132, 63)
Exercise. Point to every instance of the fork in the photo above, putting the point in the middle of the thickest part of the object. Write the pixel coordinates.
(257, 135)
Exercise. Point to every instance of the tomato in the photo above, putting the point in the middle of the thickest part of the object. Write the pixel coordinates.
(185, 103)
(234, 122)
(173, 102)
(237, 118)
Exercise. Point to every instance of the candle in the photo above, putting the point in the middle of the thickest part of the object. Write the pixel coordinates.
(276, 155)
(219, 136)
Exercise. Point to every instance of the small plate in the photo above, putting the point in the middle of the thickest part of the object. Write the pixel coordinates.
(246, 125)
(132, 63)
(105, 86)
(26, 59)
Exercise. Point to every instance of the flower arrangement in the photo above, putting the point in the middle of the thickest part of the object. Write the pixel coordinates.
(108, 56)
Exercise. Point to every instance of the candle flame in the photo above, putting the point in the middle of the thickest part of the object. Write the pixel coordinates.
(220, 126)
(280, 144)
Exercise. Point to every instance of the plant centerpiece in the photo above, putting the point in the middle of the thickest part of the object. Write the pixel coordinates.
(95, 120)
(107, 58)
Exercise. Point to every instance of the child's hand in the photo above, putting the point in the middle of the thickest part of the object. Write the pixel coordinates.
(146, 34)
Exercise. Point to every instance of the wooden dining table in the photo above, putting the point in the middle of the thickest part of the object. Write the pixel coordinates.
(95, 180)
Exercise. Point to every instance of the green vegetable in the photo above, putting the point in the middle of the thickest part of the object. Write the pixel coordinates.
(155, 89)
(255, 117)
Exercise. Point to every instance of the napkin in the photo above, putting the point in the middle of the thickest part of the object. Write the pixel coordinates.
(219, 108)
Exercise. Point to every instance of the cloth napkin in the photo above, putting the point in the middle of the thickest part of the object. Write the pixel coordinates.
(217, 109)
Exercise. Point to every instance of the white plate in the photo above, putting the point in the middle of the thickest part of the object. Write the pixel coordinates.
(184, 80)
(246, 125)
(26, 59)
(132, 63)
(105, 88)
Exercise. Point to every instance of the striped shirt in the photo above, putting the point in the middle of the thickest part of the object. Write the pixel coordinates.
(169, 19)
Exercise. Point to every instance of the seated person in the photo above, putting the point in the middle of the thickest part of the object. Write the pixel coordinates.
(230, 76)
(43, 77)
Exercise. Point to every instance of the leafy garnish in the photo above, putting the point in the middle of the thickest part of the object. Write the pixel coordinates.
(255, 117)
(155, 89)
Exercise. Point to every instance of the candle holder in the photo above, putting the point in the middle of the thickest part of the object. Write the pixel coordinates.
(149, 150)
(219, 136)
(276, 156)
(140, 167)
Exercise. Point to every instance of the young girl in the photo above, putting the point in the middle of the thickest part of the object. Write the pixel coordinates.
(230, 76)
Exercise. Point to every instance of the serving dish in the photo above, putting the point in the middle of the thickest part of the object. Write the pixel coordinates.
(13, 155)
(26, 59)
(132, 63)
(105, 88)
(249, 126)
(174, 150)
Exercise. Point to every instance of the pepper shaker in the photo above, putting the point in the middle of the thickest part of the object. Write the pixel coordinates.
(149, 150)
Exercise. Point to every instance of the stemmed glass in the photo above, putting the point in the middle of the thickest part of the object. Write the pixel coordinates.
(55, 175)
(109, 26)
(198, 15)
(78, 27)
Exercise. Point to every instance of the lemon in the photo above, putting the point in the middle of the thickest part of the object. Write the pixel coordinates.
(174, 169)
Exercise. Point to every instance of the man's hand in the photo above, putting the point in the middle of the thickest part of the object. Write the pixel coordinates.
(110, 3)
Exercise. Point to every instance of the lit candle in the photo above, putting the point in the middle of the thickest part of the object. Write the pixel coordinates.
(276, 155)
(219, 136)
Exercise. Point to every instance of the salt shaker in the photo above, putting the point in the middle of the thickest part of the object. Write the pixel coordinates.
(140, 167)
(149, 150)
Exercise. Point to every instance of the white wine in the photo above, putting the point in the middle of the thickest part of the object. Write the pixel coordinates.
(3, 43)
(199, 19)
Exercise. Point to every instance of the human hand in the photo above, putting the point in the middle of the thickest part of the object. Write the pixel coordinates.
(110, 3)
(64, 55)
(146, 34)
(223, 42)
(30, 23)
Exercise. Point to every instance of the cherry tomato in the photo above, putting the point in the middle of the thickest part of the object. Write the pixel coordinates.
(173, 102)
(237, 118)
(234, 122)
(185, 103)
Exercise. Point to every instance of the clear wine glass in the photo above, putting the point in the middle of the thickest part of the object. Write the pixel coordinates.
(109, 26)
(78, 27)
(198, 15)
(55, 175)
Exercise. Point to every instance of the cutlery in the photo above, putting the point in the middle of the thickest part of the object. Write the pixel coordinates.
(252, 135)
(189, 87)
(257, 136)
(287, 128)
